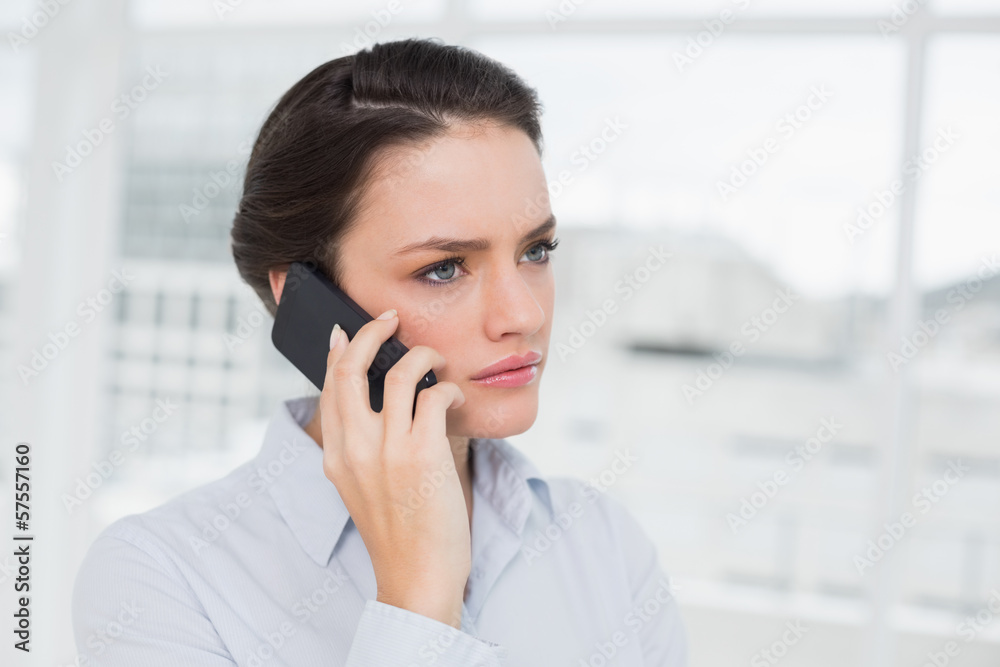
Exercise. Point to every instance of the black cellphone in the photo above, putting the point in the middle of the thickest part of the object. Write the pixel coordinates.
(309, 307)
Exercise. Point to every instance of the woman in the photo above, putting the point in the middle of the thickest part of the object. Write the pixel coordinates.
(410, 173)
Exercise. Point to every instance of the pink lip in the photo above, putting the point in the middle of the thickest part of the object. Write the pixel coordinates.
(515, 378)
(510, 371)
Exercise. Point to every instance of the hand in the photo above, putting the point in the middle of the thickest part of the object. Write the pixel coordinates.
(379, 460)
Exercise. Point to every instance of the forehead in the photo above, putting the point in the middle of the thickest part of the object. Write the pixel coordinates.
(475, 180)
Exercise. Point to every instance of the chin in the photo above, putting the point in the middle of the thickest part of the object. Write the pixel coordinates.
(495, 413)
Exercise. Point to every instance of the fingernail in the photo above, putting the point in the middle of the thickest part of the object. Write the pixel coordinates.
(334, 335)
(387, 314)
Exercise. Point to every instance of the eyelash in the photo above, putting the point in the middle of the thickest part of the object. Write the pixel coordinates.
(460, 261)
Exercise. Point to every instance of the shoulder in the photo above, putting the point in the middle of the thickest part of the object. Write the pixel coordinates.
(138, 598)
(653, 612)
(148, 555)
(122, 560)
(609, 521)
(609, 514)
(159, 536)
(575, 501)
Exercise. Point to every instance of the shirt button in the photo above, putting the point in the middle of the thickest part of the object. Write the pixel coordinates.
(477, 573)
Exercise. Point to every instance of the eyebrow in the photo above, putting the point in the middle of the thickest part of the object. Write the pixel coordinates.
(469, 245)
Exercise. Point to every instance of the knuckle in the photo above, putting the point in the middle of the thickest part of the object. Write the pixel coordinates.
(357, 458)
(423, 398)
(395, 377)
(342, 374)
(433, 394)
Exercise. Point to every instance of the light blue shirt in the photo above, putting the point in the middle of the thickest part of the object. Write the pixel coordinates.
(265, 567)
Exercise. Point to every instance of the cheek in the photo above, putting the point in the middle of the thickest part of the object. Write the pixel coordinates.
(427, 311)
(549, 301)
(546, 295)
(442, 330)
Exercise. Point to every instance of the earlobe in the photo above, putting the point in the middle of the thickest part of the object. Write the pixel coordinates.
(277, 283)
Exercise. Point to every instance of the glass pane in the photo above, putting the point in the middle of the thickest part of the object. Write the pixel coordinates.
(954, 351)
(958, 212)
(186, 150)
(803, 132)
(190, 141)
(965, 6)
(16, 126)
(16, 16)
(370, 16)
(693, 131)
(556, 13)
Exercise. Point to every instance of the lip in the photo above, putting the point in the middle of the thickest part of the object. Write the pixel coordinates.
(509, 363)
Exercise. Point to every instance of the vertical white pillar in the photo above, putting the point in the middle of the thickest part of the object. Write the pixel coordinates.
(896, 449)
(68, 253)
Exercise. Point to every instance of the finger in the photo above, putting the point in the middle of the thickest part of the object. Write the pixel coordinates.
(329, 411)
(351, 373)
(401, 387)
(432, 403)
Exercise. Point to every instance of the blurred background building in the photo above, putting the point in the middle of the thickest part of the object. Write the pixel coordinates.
(822, 174)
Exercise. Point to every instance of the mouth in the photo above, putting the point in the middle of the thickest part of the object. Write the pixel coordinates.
(512, 371)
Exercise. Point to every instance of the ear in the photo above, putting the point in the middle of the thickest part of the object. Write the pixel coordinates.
(277, 282)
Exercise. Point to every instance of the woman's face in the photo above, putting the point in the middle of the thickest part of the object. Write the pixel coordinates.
(482, 184)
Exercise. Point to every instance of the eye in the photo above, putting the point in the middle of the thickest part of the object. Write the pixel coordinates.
(439, 269)
(548, 246)
(447, 276)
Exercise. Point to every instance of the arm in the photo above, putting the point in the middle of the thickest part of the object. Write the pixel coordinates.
(132, 608)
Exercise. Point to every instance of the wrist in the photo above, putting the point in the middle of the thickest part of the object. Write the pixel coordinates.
(438, 605)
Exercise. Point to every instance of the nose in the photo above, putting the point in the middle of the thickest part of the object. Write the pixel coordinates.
(511, 305)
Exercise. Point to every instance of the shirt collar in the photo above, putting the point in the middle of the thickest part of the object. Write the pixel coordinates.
(290, 464)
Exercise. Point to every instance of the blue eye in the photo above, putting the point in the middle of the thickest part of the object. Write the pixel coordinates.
(456, 260)
(451, 262)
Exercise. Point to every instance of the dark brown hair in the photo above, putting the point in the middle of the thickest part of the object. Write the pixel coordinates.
(331, 131)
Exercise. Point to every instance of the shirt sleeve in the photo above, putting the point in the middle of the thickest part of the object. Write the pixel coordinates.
(131, 608)
(390, 636)
(655, 617)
